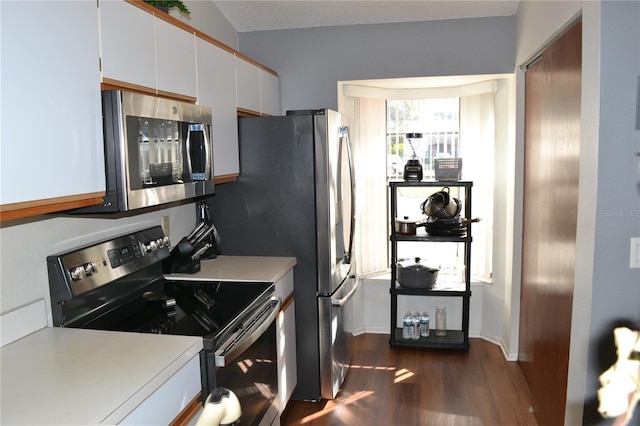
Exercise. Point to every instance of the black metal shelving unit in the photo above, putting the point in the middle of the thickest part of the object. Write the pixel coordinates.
(455, 339)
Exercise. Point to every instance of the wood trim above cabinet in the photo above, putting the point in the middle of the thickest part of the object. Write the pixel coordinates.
(49, 205)
(111, 84)
(161, 15)
(243, 112)
(226, 178)
(170, 19)
(256, 63)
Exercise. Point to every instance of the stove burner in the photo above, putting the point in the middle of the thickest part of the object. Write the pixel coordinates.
(156, 296)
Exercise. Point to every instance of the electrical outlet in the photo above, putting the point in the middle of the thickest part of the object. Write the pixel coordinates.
(165, 226)
(634, 258)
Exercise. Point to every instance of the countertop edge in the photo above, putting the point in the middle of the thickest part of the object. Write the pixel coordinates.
(128, 406)
(234, 268)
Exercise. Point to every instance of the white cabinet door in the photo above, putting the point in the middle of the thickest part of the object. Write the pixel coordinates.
(269, 93)
(51, 132)
(248, 85)
(127, 43)
(175, 59)
(140, 49)
(286, 342)
(168, 401)
(287, 365)
(217, 90)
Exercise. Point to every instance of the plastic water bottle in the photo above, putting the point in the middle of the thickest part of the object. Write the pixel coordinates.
(415, 319)
(424, 325)
(407, 325)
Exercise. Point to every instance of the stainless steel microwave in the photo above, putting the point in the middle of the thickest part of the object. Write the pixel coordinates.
(157, 151)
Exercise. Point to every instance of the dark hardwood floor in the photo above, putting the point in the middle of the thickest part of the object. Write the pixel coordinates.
(422, 387)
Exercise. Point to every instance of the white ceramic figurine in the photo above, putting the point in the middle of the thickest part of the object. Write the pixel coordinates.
(620, 390)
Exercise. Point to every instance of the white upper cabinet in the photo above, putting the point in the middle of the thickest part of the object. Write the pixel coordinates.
(258, 90)
(127, 44)
(217, 89)
(269, 93)
(51, 133)
(140, 49)
(248, 85)
(175, 59)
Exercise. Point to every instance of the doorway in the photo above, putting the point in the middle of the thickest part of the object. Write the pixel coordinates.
(552, 147)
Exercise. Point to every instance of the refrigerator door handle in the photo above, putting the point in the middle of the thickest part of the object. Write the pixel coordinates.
(344, 132)
(345, 299)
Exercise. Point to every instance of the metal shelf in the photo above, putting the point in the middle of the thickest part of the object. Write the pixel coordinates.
(455, 339)
(424, 237)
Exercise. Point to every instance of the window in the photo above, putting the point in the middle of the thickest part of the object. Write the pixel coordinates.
(425, 129)
(382, 149)
(437, 123)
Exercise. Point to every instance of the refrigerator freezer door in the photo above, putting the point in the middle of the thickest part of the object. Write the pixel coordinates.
(336, 337)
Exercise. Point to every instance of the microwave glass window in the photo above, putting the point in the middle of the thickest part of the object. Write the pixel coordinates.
(156, 156)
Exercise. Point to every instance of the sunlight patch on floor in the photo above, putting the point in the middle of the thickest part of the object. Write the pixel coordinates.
(332, 405)
(441, 418)
(371, 367)
(402, 374)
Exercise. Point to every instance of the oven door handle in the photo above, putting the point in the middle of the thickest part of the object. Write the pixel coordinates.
(241, 340)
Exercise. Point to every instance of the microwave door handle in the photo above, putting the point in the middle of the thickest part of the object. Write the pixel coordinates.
(188, 153)
(207, 153)
(231, 350)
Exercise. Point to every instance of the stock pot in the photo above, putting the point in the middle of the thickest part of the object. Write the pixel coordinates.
(414, 273)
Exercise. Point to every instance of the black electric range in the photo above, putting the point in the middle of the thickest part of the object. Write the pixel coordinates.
(118, 285)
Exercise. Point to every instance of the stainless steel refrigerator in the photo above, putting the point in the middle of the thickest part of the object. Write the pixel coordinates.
(295, 197)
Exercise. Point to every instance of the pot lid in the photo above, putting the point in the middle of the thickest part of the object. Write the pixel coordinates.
(405, 220)
(415, 264)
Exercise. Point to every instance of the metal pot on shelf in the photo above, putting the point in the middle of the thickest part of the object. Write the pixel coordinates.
(441, 205)
(414, 273)
(406, 226)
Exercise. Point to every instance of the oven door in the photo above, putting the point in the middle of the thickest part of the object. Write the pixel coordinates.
(246, 362)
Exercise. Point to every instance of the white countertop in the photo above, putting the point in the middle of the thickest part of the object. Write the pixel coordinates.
(241, 268)
(76, 376)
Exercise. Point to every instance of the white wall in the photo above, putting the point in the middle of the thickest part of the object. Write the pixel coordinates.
(25, 245)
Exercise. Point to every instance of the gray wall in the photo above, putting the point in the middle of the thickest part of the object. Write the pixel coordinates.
(311, 61)
(616, 287)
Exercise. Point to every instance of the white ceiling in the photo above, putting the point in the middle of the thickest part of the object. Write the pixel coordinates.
(246, 16)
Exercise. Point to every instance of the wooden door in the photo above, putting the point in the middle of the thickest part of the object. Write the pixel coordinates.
(552, 142)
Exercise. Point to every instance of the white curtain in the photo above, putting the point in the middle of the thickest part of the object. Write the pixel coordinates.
(477, 141)
(370, 153)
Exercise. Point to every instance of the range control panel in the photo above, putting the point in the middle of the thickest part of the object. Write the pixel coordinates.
(92, 266)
